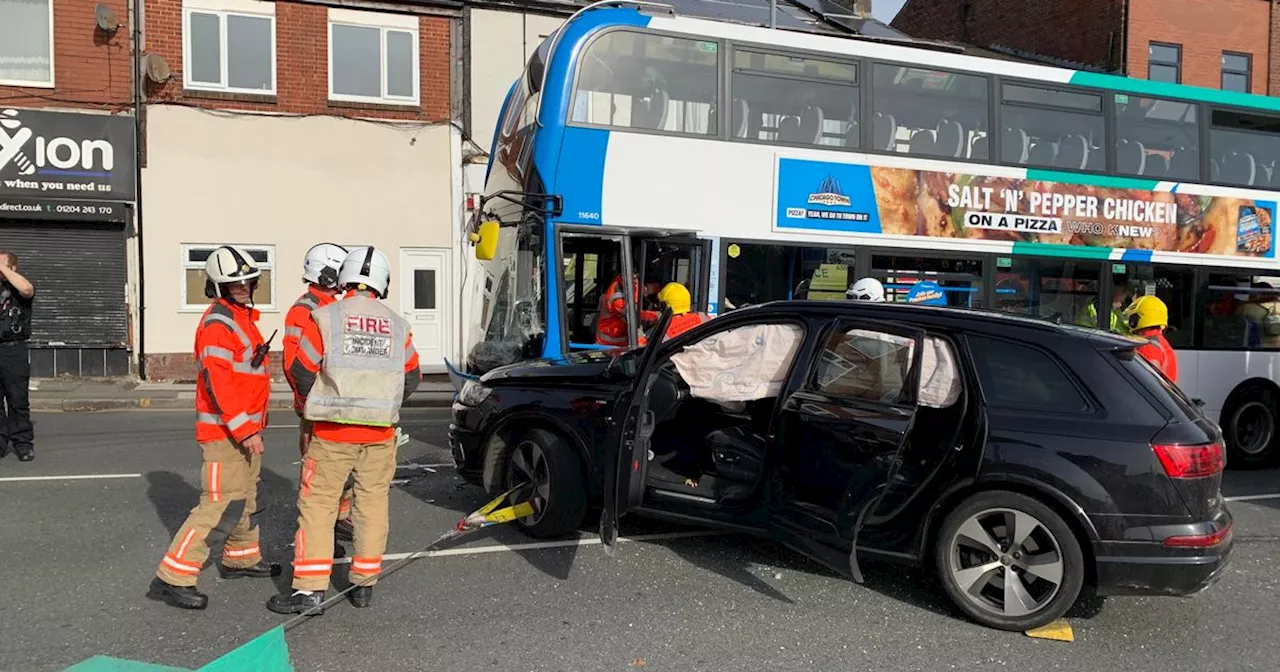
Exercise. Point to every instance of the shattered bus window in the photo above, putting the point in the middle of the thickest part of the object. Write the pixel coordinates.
(510, 328)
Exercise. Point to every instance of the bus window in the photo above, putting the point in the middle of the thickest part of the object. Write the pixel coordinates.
(1049, 288)
(959, 279)
(512, 305)
(590, 263)
(929, 112)
(794, 99)
(1241, 312)
(1050, 128)
(671, 260)
(1243, 148)
(636, 80)
(1174, 286)
(1159, 138)
(756, 273)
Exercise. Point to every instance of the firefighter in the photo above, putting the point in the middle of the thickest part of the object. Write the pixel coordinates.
(677, 297)
(612, 322)
(355, 366)
(320, 269)
(231, 413)
(1148, 317)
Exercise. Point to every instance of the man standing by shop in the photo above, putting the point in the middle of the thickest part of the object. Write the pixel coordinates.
(355, 366)
(16, 295)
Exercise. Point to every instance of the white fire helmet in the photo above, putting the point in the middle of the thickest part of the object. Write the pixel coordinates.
(366, 266)
(227, 265)
(866, 289)
(322, 263)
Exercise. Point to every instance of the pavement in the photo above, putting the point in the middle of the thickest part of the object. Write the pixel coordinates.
(81, 543)
(86, 395)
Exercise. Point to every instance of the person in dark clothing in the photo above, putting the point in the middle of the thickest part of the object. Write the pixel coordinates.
(16, 294)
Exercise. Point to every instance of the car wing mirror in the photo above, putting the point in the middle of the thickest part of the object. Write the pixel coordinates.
(1198, 402)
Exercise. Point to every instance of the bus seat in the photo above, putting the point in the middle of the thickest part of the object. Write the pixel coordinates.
(950, 139)
(1015, 146)
(1157, 166)
(651, 114)
(1073, 152)
(811, 122)
(1215, 170)
(1043, 153)
(1185, 164)
(755, 124)
(1097, 159)
(851, 134)
(1131, 157)
(1240, 168)
(924, 143)
(885, 132)
(740, 115)
(980, 150)
(789, 130)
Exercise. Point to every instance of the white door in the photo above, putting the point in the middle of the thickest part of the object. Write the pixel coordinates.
(427, 302)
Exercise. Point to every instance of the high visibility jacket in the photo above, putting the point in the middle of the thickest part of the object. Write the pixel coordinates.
(294, 321)
(231, 394)
(1090, 319)
(684, 322)
(1158, 351)
(355, 366)
(611, 323)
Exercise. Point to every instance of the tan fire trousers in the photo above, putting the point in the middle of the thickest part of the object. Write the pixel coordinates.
(305, 435)
(325, 471)
(229, 481)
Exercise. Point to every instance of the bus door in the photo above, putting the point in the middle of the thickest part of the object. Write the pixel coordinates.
(679, 258)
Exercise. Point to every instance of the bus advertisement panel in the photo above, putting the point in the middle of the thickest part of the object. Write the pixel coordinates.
(1127, 214)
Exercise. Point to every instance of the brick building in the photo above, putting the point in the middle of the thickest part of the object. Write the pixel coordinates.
(1225, 44)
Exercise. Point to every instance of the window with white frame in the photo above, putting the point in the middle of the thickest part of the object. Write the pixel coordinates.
(193, 277)
(229, 45)
(26, 42)
(373, 58)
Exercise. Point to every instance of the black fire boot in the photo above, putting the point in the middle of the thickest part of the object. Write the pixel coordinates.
(25, 453)
(344, 530)
(182, 597)
(262, 570)
(362, 596)
(297, 603)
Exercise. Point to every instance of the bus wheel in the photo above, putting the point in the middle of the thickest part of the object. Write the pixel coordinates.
(1249, 426)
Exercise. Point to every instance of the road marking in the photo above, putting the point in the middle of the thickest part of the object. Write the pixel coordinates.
(1250, 498)
(79, 477)
(537, 545)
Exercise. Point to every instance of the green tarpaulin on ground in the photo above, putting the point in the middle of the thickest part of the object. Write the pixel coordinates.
(267, 652)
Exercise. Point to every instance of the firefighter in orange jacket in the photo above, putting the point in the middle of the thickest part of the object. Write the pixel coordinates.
(320, 269)
(1148, 318)
(677, 297)
(611, 323)
(356, 365)
(231, 412)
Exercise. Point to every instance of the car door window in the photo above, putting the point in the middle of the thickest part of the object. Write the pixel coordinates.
(865, 365)
(940, 382)
(1019, 376)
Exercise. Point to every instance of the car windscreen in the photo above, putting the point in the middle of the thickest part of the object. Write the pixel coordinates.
(1156, 382)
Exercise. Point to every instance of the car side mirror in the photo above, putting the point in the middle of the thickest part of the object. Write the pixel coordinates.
(1198, 402)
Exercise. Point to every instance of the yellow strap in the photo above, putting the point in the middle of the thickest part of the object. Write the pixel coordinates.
(510, 513)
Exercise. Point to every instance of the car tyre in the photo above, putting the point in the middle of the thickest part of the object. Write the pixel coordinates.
(557, 489)
(1002, 584)
(1249, 428)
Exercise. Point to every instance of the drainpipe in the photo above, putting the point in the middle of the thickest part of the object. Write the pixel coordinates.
(137, 186)
(1124, 37)
(1271, 35)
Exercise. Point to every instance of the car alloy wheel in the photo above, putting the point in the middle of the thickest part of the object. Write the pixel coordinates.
(528, 469)
(1006, 562)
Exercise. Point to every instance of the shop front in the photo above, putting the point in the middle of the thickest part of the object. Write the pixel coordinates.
(67, 192)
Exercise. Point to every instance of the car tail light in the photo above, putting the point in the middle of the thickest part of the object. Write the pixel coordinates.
(1197, 461)
(1200, 540)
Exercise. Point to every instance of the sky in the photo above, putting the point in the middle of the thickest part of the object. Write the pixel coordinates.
(885, 10)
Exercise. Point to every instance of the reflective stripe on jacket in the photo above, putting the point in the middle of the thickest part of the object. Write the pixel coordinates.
(611, 322)
(231, 393)
(298, 316)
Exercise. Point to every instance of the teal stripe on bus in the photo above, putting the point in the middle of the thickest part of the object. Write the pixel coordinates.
(1057, 250)
(1146, 87)
(1109, 181)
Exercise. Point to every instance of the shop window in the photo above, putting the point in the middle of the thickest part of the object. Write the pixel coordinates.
(865, 365)
(229, 50)
(193, 276)
(1021, 377)
(1241, 312)
(26, 42)
(373, 57)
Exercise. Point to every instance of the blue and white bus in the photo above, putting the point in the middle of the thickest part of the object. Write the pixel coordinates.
(754, 164)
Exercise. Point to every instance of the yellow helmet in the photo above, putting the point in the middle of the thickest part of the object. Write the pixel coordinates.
(1147, 311)
(675, 295)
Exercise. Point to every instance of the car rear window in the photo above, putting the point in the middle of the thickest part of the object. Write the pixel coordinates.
(1157, 383)
(1019, 376)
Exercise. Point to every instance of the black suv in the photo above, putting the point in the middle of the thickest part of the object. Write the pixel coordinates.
(1023, 459)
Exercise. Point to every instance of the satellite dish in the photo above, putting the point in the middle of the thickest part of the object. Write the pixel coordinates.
(156, 67)
(106, 18)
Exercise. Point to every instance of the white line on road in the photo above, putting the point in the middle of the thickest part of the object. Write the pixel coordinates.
(79, 477)
(537, 545)
(1250, 498)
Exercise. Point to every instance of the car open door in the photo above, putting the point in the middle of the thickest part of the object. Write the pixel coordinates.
(627, 447)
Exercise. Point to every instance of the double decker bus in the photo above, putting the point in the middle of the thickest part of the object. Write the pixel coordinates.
(755, 164)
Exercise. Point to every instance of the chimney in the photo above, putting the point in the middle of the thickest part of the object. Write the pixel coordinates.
(862, 8)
